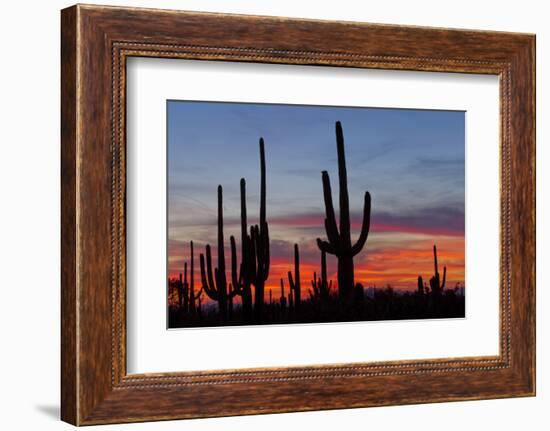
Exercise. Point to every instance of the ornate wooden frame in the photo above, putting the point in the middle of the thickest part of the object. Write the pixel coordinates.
(95, 42)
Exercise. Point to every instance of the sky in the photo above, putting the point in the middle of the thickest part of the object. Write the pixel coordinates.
(411, 162)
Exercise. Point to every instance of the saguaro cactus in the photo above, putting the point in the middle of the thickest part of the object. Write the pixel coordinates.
(436, 284)
(294, 282)
(258, 243)
(242, 278)
(339, 241)
(321, 286)
(215, 283)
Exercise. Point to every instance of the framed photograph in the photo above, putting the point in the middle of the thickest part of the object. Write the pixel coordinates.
(266, 215)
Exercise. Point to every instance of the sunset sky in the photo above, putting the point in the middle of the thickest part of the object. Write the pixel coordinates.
(411, 161)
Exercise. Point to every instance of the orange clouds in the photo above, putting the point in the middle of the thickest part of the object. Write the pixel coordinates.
(390, 258)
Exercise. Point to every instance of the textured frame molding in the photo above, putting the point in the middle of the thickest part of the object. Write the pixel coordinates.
(96, 41)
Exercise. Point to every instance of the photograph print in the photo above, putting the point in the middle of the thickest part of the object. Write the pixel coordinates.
(300, 214)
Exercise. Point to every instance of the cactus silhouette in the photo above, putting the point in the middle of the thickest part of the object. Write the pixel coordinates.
(193, 297)
(282, 299)
(294, 282)
(420, 286)
(257, 257)
(339, 241)
(436, 284)
(254, 268)
(242, 278)
(321, 286)
(214, 283)
(183, 291)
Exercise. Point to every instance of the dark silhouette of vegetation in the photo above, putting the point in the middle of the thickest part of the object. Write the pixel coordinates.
(349, 301)
(254, 268)
(339, 241)
(282, 299)
(242, 278)
(436, 285)
(259, 246)
(294, 282)
(214, 282)
(188, 300)
(321, 286)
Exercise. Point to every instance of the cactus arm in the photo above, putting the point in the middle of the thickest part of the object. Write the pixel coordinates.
(325, 246)
(204, 282)
(211, 280)
(358, 246)
(444, 277)
(207, 289)
(332, 234)
(330, 218)
(291, 281)
(236, 277)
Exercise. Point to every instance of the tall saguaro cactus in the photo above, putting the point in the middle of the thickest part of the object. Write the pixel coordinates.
(294, 283)
(339, 241)
(242, 277)
(258, 241)
(215, 283)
